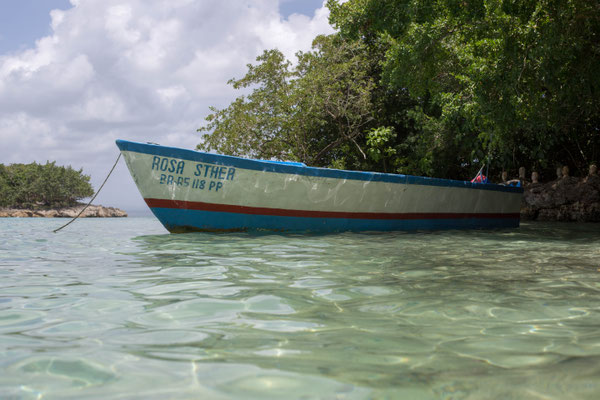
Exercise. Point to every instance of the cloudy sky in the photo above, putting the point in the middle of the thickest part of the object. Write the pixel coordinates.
(76, 75)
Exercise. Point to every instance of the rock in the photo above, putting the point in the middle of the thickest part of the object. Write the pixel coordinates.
(67, 212)
(22, 213)
(566, 199)
(537, 196)
(51, 214)
(103, 212)
(593, 180)
(558, 172)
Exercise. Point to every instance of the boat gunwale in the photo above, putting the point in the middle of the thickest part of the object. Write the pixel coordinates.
(279, 167)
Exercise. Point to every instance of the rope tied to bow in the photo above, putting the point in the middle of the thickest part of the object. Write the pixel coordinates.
(88, 204)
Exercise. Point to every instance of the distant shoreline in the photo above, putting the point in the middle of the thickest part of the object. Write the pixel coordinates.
(93, 211)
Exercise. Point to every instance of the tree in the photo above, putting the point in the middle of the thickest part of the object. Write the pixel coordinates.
(37, 185)
(517, 77)
(315, 112)
(255, 125)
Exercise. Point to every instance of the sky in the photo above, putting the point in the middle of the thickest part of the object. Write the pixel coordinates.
(75, 75)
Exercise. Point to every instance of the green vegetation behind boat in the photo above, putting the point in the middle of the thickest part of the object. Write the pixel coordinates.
(427, 88)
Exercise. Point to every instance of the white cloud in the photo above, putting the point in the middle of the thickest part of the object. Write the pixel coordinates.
(141, 70)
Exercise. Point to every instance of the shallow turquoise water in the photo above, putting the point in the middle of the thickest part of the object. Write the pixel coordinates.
(118, 308)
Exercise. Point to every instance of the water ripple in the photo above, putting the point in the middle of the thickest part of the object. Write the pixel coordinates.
(118, 308)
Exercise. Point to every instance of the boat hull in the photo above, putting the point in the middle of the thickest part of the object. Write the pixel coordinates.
(194, 191)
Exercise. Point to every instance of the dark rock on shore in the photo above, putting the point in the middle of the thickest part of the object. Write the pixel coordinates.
(67, 212)
(565, 199)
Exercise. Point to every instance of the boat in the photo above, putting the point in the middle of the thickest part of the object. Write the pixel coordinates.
(189, 190)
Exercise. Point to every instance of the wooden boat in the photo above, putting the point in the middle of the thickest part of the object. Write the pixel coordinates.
(189, 190)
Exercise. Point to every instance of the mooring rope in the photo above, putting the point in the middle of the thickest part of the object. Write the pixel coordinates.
(87, 205)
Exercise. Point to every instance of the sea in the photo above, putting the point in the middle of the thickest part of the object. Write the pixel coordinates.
(121, 309)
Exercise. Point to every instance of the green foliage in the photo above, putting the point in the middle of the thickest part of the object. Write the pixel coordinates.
(255, 125)
(428, 88)
(313, 112)
(42, 185)
(519, 76)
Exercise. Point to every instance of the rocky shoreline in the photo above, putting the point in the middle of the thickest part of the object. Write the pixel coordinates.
(565, 199)
(92, 211)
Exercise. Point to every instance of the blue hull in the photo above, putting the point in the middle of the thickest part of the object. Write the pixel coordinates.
(180, 220)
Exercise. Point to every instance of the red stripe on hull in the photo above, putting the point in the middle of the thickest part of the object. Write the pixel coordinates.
(200, 206)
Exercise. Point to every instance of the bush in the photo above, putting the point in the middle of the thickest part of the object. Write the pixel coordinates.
(42, 186)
